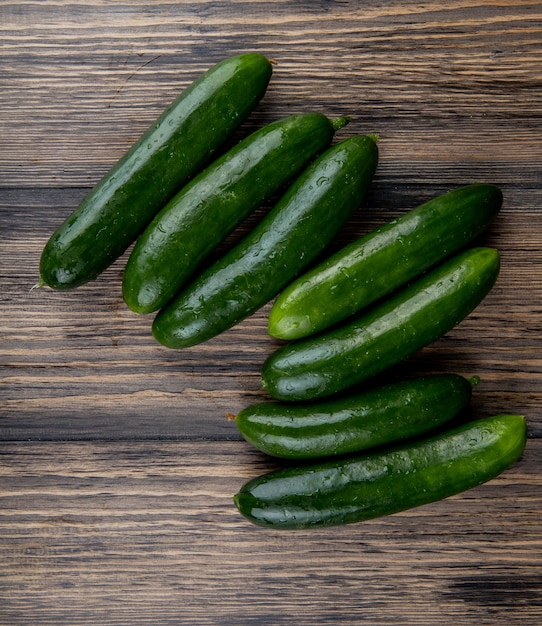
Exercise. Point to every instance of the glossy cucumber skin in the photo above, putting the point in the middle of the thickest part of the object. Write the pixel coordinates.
(371, 418)
(362, 487)
(384, 335)
(175, 147)
(206, 210)
(383, 260)
(300, 225)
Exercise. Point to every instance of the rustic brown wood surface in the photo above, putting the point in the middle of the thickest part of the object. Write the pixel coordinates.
(117, 462)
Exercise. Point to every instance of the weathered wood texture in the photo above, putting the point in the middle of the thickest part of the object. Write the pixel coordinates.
(118, 464)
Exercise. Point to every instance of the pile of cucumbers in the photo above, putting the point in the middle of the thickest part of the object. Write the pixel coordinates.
(354, 450)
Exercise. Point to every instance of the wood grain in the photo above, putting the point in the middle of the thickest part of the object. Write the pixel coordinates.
(117, 462)
(140, 532)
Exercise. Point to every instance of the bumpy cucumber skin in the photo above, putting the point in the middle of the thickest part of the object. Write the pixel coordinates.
(383, 260)
(355, 489)
(299, 226)
(206, 210)
(387, 333)
(371, 418)
(176, 146)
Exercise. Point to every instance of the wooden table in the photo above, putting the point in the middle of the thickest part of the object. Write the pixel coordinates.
(118, 464)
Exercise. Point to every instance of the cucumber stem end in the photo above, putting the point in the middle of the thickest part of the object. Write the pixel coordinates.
(39, 284)
(340, 122)
(474, 380)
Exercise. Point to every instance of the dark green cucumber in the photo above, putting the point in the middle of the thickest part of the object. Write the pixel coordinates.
(204, 212)
(300, 225)
(382, 483)
(383, 260)
(387, 333)
(175, 147)
(371, 418)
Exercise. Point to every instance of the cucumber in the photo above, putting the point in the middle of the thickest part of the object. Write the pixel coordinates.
(383, 260)
(176, 146)
(371, 418)
(382, 483)
(206, 210)
(387, 333)
(299, 226)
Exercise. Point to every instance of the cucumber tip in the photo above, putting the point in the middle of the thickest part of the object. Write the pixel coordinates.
(41, 283)
(474, 380)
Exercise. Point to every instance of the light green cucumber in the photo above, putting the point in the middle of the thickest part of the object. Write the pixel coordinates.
(385, 334)
(383, 260)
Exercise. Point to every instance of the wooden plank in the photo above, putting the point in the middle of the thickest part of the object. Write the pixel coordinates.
(85, 81)
(125, 533)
